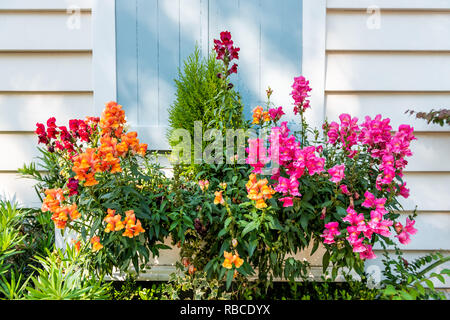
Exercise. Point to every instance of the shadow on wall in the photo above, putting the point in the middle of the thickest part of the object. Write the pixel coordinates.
(154, 37)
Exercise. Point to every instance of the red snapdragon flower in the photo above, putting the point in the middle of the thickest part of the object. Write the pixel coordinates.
(226, 51)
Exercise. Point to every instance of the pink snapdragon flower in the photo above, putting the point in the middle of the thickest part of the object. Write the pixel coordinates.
(337, 173)
(331, 230)
(300, 93)
(404, 232)
(368, 253)
(344, 190)
(204, 184)
(287, 186)
(346, 133)
(403, 191)
(257, 155)
(287, 201)
(276, 114)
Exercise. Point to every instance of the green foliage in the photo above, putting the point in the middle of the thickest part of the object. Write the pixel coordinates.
(10, 240)
(65, 276)
(202, 95)
(412, 280)
(194, 287)
(55, 175)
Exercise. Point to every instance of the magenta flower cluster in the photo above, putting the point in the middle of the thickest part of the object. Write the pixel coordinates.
(300, 93)
(375, 134)
(295, 160)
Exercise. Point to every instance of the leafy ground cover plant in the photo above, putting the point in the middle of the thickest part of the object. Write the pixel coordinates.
(66, 276)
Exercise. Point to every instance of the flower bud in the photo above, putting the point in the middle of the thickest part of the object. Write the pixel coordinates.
(192, 269)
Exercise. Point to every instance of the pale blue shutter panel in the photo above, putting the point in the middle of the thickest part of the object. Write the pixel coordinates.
(155, 36)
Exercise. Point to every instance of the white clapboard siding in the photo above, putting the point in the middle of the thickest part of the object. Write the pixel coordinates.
(389, 104)
(431, 152)
(432, 232)
(13, 186)
(47, 71)
(428, 191)
(40, 5)
(375, 266)
(22, 148)
(388, 71)
(390, 4)
(44, 31)
(30, 108)
(46, 64)
(352, 30)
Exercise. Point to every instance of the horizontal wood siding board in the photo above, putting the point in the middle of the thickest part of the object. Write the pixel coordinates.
(37, 31)
(404, 31)
(21, 149)
(15, 187)
(432, 232)
(430, 152)
(388, 71)
(388, 104)
(429, 191)
(45, 72)
(30, 108)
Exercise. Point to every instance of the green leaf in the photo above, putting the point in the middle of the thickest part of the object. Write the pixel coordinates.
(406, 295)
(341, 211)
(230, 274)
(389, 291)
(304, 221)
(429, 284)
(249, 227)
(325, 261)
(315, 247)
(420, 288)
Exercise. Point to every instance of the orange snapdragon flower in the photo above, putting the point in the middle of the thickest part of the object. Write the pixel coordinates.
(96, 245)
(133, 226)
(85, 165)
(77, 244)
(60, 214)
(231, 259)
(259, 191)
(259, 114)
(219, 198)
(108, 155)
(112, 120)
(53, 199)
(132, 142)
(113, 221)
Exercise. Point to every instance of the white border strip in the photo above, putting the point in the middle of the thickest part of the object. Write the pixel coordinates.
(389, 4)
(104, 53)
(42, 5)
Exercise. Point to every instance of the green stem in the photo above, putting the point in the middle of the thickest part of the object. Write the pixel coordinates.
(432, 266)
